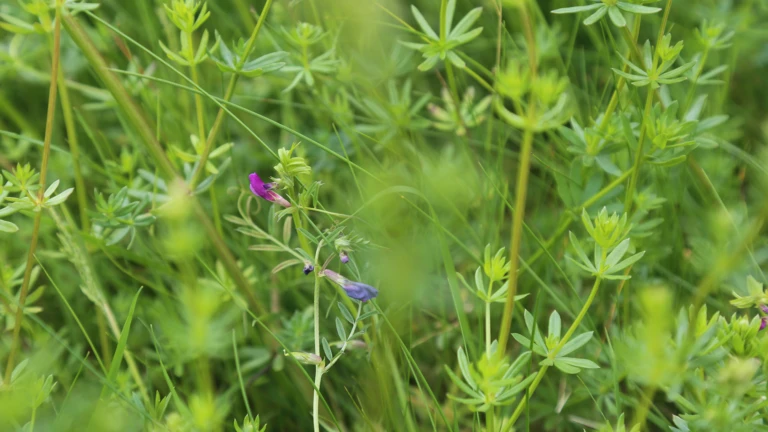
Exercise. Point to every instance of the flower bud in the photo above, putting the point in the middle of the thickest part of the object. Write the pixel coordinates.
(607, 231)
(305, 358)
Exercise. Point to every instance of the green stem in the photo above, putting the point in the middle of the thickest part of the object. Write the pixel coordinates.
(244, 13)
(631, 40)
(302, 239)
(227, 97)
(490, 420)
(38, 216)
(517, 227)
(694, 81)
(199, 108)
(642, 412)
(488, 329)
(638, 153)
(479, 80)
(135, 118)
(318, 368)
(646, 114)
(521, 187)
(488, 321)
(554, 352)
(74, 147)
(443, 24)
(614, 102)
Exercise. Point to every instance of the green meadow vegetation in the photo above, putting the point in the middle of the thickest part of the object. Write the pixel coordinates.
(383, 215)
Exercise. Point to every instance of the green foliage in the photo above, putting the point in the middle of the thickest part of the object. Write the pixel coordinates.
(547, 347)
(442, 46)
(613, 8)
(451, 215)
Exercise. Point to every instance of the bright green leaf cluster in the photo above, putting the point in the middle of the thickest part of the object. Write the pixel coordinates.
(442, 46)
(613, 8)
(459, 118)
(235, 60)
(491, 381)
(290, 167)
(650, 72)
(548, 347)
(755, 297)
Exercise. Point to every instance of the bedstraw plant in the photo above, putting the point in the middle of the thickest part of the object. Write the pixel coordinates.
(386, 215)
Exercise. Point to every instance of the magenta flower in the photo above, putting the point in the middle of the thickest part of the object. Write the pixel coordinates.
(264, 190)
(355, 290)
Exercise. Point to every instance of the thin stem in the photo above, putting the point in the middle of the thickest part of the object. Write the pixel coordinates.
(199, 108)
(631, 40)
(227, 97)
(694, 81)
(488, 321)
(136, 119)
(639, 152)
(521, 188)
(488, 329)
(74, 147)
(614, 102)
(490, 420)
(642, 410)
(554, 352)
(479, 80)
(316, 399)
(443, 24)
(517, 227)
(318, 368)
(38, 215)
(452, 83)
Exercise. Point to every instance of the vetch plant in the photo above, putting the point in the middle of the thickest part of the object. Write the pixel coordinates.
(598, 169)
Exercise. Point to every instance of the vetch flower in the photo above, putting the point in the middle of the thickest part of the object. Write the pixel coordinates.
(264, 190)
(308, 267)
(344, 257)
(356, 290)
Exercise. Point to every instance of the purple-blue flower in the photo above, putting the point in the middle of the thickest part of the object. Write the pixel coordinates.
(308, 267)
(355, 290)
(264, 190)
(344, 257)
